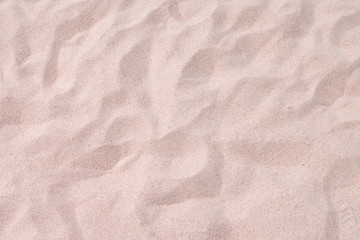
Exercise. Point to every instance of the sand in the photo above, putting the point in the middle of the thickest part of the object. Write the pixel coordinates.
(180, 119)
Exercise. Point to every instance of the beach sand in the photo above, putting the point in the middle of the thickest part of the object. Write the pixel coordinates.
(180, 120)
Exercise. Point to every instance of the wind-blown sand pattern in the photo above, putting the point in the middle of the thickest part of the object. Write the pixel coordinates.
(180, 119)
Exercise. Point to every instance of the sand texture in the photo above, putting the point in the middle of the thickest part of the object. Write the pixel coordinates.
(179, 119)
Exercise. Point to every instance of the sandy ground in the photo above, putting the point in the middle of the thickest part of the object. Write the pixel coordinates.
(180, 119)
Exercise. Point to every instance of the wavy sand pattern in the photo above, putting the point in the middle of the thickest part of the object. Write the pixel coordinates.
(180, 119)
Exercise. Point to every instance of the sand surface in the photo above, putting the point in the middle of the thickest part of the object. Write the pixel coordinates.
(180, 120)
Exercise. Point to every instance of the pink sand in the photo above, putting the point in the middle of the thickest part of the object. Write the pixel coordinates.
(180, 119)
